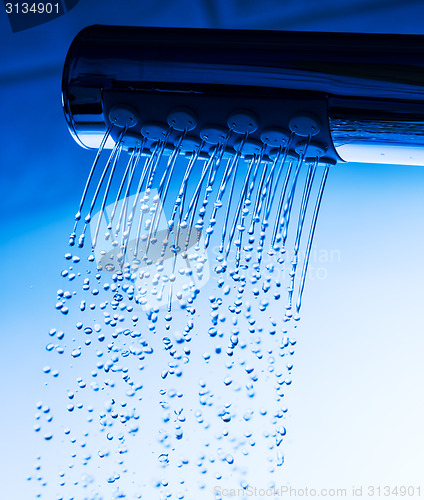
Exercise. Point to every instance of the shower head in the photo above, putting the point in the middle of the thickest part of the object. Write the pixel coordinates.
(354, 97)
(246, 110)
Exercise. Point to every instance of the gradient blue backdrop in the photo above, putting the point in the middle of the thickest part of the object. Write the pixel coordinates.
(356, 403)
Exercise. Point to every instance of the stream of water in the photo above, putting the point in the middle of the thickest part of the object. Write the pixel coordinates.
(174, 351)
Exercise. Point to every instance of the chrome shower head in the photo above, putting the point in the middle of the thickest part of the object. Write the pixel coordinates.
(364, 93)
(260, 103)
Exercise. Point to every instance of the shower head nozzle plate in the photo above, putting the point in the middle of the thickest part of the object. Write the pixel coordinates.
(123, 116)
(304, 124)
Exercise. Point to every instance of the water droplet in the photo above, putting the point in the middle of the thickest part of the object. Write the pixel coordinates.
(163, 458)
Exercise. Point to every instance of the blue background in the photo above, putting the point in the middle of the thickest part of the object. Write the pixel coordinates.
(356, 403)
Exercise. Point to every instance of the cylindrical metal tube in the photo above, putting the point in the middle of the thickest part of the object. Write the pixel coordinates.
(374, 84)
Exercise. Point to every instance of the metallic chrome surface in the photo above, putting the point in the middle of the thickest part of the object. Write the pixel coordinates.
(378, 131)
(374, 84)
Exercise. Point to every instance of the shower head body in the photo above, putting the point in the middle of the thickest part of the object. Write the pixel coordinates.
(364, 91)
(251, 115)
